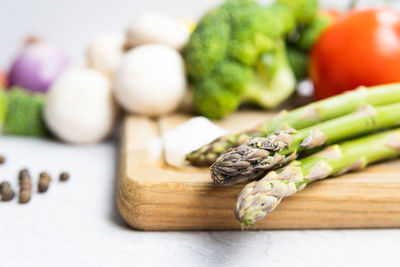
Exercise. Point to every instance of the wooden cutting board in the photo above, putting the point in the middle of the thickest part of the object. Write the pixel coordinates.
(155, 196)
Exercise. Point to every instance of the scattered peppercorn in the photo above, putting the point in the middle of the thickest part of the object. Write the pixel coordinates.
(6, 192)
(64, 176)
(2, 159)
(44, 182)
(22, 174)
(25, 186)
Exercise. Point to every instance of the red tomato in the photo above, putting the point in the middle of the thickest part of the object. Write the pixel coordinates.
(3, 80)
(361, 48)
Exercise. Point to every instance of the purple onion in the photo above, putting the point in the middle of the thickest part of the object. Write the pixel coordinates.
(37, 66)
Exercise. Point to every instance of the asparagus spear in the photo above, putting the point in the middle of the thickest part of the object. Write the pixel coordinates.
(257, 199)
(256, 156)
(300, 118)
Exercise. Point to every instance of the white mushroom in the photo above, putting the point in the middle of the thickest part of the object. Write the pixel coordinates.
(153, 28)
(105, 52)
(79, 106)
(150, 80)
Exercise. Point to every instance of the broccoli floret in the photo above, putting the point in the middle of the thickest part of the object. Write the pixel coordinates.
(304, 10)
(236, 54)
(305, 35)
(214, 101)
(203, 56)
(233, 75)
(310, 33)
(298, 60)
(301, 42)
(254, 30)
(24, 114)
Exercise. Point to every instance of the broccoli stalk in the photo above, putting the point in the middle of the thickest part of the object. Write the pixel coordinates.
(274, 73)
(237, 54)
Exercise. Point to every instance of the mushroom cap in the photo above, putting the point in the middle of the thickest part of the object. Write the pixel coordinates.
(151, 80)
(105, 52)
(79, 106)
(154, 28)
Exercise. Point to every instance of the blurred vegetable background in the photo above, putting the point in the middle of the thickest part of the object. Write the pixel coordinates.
(240, 52)
(37, 66)
(237, 53)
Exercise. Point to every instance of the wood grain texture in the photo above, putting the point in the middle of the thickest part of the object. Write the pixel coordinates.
(154, 196)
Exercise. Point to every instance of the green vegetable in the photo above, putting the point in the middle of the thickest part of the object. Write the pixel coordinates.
(257, 199)
(258, 155)
(24, 113)
(301, 41)
(310, 33)
(211, 99)
(237, 54)
(304, 10)
(300, 118)
(298, 61)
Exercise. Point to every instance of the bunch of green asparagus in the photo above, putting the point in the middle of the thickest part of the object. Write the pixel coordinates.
(281, 156)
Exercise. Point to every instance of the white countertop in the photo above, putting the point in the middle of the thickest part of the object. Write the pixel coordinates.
(77, 224)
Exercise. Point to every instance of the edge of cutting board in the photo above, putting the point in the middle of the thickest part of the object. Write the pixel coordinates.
(153, 196)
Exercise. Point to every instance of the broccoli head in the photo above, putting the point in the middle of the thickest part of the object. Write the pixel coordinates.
(213, 100)
(301, 41)
(24, 113)
(311, 32)
(298, 60)
(304, 11)
(237, 54)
